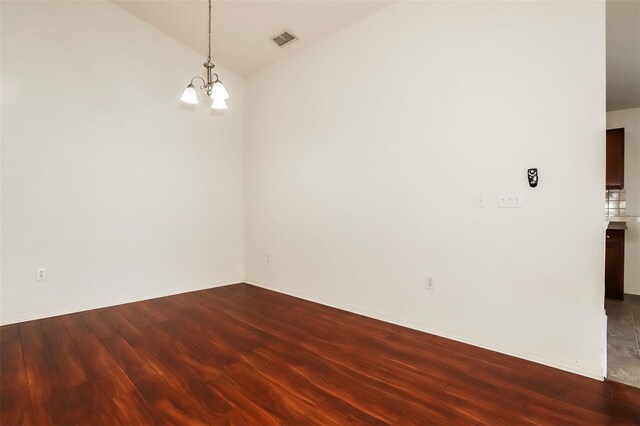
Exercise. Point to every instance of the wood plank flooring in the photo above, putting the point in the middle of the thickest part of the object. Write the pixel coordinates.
(243, 355)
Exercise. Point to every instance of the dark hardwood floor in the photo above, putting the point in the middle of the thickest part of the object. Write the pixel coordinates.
(248, 356)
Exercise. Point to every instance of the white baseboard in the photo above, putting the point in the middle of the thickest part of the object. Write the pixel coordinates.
(88, 307)
(595, 373)
(634, 292)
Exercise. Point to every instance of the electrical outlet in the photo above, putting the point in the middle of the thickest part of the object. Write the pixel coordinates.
(268, 258)
(429, 284)
(41, 274)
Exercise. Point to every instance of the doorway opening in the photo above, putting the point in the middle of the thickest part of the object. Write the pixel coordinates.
(622, 192)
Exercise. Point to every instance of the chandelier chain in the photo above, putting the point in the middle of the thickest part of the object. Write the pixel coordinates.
(209, 58)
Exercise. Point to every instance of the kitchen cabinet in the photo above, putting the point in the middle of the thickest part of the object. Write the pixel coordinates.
(615, 159)
(614, 264)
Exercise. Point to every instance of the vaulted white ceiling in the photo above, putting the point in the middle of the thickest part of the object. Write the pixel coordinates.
(242, 30)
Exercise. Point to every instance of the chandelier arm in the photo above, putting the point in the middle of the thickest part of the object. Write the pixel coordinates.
(204, 83)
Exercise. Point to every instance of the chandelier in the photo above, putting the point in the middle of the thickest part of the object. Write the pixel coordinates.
(212, 88)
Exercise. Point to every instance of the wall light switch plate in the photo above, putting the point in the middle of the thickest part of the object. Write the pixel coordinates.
(510, 200)
(518, 200)
(480, 201)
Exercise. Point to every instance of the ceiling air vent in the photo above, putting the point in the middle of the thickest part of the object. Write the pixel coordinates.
(284, 38)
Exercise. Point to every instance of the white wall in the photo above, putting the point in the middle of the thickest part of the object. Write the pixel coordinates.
(108, 181)
(365, 151)
(364, 154)
(630, 120)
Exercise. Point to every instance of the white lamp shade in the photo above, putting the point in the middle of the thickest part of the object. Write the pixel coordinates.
(219, 104)
(190, 96)
(219, 92)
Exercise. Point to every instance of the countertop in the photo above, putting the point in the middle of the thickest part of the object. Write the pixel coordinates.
(622, 219)
(617, 225)
(620, 222)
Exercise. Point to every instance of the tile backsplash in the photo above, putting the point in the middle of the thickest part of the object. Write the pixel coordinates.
(615, 203)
